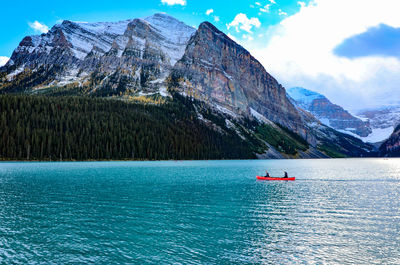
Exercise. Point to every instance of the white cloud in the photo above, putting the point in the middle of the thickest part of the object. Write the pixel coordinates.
(3, 60)
(300, 52)
(37, 26)
(302, 4)
(243, 22)
(258, 3)
(174, 2)
(266, 8)
(210, 12)
(247, 37)
(281, 13)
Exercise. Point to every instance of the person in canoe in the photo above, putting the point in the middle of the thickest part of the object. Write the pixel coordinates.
(286, 175)
(267, 174)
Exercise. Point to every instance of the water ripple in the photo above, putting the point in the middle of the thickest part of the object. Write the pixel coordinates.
(203, 212)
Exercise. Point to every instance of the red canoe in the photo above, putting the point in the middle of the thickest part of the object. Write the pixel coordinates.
(271, 178)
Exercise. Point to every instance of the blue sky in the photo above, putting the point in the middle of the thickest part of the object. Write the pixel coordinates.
(16, 18)
(343, 49)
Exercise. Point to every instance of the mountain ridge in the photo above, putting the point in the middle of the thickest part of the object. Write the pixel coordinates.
(328, 113)
(153, 59)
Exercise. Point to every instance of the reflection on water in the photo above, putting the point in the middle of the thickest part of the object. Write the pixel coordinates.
(337, 211)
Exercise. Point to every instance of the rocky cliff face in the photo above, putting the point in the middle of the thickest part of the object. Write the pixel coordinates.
(328, 113)
(219, 71)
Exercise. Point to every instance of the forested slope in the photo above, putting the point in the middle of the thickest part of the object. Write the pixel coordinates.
(83, 128)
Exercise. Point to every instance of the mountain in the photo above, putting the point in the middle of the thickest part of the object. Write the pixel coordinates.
(391, 147)
(382, 121)
(369, 125)
(328, 113)
(222, 73)
(107, 57)
(225, 74)
(154, 62)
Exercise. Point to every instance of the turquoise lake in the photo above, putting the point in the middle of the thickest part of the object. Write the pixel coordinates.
(338, 211)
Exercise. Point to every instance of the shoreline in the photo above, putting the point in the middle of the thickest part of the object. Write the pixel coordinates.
(186, 160)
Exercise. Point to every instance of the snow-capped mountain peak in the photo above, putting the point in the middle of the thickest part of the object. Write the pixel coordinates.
(304, 97)
(176, 34)
(328, 113)
(144, 49)
(82, 37)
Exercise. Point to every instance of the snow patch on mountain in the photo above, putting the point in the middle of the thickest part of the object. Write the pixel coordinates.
(325, 121)
(121, 42)
(175, 31)
(225, 111)
(163, 91)
(85, 36)
(176, 35)
(303, 97)
(259, 116)
(377, 135)
(17, 71)
(73, 75)
(117, 28)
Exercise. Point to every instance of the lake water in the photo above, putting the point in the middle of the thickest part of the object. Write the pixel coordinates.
(338, 211)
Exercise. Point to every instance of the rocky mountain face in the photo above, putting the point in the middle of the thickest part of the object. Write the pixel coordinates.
(216, 69)
(391, 147)
(382, 121)
(328, 113)
(155, 58)
(134, 54)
